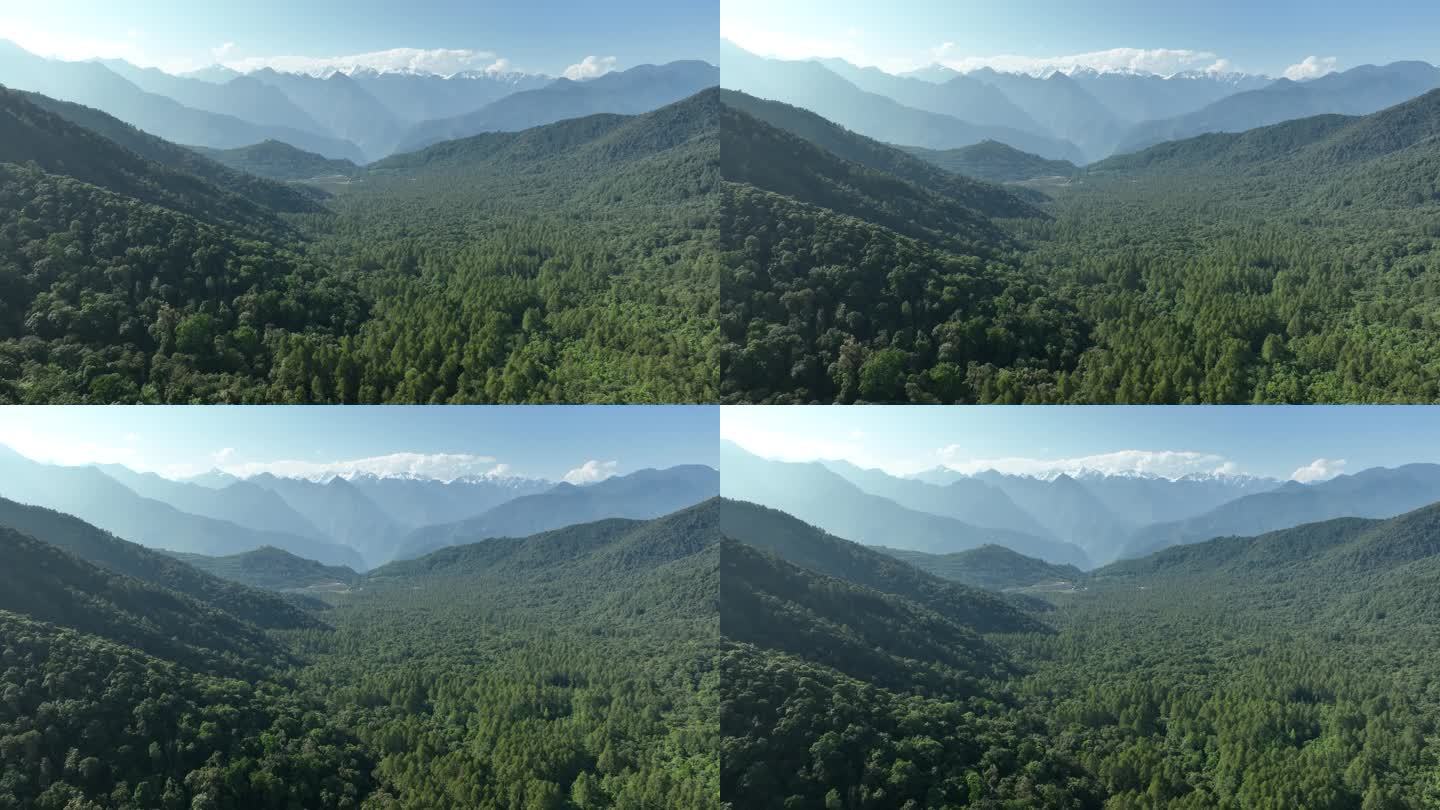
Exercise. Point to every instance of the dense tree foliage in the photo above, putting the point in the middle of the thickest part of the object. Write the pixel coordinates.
(272, 568)
(1294, 263)
(87, 724)
(570, 671)
(1290, 670)
(571, 263)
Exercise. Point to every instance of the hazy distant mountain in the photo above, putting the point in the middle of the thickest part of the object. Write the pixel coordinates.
(993, 567)
(1390, 568)
(95, 85)
(341, 512)
(101, 548)
(968, 499)
(241, 502)
(951, 214)
(1068, 509)
(93, 496)
(1374, 493)
(1358, 91)
(640, 495)
(215, 74)
(800, 544)
(757, 156)
(417, 97)
(1145, 499)
(816, 495)
(215, 479)
(42, 581)
(1099, 511)
(960, 96)
(279, 161)
(340, 105)
(1136, 97)
(995, 162)
(932, 73)
(415, 502)
(1063, 107)
(96, 148)
(818, 89)
(242, 96)
(628, 92)
(562, 156)
(1384, 159)
(272, 568)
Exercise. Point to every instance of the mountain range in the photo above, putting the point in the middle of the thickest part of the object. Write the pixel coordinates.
(818, 496)
(150, 675)
(815, 87)
(628, 92)
(640, 495)
(936, 518)
(357, 522)
(825, 636)
(1080, 115)
(1358, 91)
(358, 115)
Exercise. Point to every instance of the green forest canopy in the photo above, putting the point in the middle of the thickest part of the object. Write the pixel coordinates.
(1293, 263)
(570, 263)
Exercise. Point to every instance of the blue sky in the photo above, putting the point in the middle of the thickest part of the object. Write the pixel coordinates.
(534, 35)
(1315, 441)
(1262, 37)
(540, 441)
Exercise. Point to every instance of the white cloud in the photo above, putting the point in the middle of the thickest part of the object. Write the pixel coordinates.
(440, 466)
(849, 45)
(590, 67)
(223, 52)
(591, 472)
(498, 66)
(222, 455)
(437, 60)
(1163, 463)
(1161, 61)
(1311, 67)
(1321, 469)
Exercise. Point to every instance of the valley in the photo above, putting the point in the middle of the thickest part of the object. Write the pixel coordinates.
(558, 248)
(1274, 247)
(1286, 663)
(563, 657)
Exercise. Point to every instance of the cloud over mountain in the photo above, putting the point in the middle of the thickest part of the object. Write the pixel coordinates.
(591, 67)
(1321, 469)
(442, 61)
(1162, 463)
(440, 466)
(591, 471)
(1162, 61)
(1311, 67)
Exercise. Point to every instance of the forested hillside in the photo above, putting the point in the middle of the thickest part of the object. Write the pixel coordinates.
(279, 161)
(574, 263)
(577, 669)
(1286, 670)
(1291, 263)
